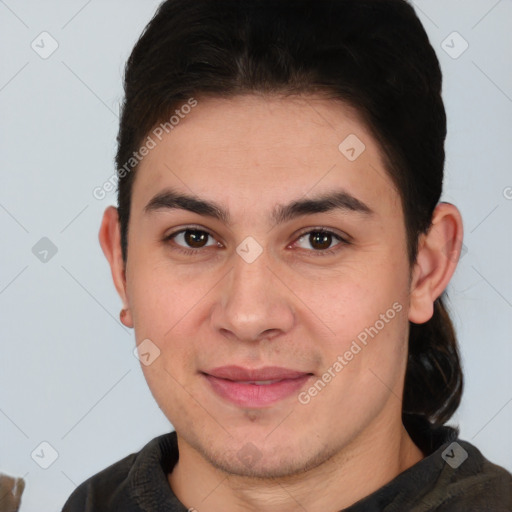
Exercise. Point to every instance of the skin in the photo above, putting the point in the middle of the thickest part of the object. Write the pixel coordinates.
(290, 307)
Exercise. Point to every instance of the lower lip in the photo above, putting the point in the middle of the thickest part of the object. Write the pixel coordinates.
(254, 395)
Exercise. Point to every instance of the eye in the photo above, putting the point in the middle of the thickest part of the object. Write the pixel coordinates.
(320, 240)
(191, 238)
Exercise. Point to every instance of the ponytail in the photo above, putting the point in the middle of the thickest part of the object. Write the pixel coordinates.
(433, 379)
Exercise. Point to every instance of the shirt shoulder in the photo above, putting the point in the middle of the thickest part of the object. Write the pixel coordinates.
(136, 483)
(453, 476)
(469, 482)
(106, 490)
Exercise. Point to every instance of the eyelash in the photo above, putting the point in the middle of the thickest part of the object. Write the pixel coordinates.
(194, 252)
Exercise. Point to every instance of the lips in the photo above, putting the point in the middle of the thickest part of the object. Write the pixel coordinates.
(269, 373)
(255, 388)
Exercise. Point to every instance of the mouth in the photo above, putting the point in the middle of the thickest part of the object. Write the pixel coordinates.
(255, 388)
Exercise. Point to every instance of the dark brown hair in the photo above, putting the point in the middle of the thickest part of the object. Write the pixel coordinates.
(373, 55)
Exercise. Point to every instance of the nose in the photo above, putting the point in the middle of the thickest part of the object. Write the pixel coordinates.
(253, 303)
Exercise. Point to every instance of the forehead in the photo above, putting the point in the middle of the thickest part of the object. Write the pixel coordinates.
(265, 150)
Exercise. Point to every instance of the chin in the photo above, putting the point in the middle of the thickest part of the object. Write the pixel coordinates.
(263, 466)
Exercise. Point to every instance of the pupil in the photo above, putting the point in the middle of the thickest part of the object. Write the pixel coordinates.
(322, 239)
(195, 238)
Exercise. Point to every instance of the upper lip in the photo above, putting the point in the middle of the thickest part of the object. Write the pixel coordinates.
(239, 373)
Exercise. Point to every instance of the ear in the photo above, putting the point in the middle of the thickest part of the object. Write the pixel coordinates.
(110, 241)
(438, 254)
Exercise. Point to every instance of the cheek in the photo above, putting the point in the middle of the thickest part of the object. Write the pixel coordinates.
(160, 298)
(352, 299)
(366, 313)
(166, 309)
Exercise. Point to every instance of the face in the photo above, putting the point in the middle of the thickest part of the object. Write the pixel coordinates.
(297, 268)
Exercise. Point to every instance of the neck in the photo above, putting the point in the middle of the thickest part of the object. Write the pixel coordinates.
(371, 460)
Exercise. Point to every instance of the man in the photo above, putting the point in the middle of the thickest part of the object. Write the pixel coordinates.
(281, 251)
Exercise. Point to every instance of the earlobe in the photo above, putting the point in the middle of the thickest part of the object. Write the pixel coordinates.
(438, 254)
(125, 317)
(110, 241)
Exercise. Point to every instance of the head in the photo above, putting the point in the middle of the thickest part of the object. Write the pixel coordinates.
(317, 130)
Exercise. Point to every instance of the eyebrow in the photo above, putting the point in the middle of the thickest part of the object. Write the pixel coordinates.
(340, 200)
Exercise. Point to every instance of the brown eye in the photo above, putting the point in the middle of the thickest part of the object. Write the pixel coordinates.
(321, 241)
(191, 239)
(195, 238)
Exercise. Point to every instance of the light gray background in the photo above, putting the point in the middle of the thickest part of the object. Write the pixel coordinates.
(67, 372)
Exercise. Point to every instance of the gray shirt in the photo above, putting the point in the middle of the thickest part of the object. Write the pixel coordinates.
(453, 477)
